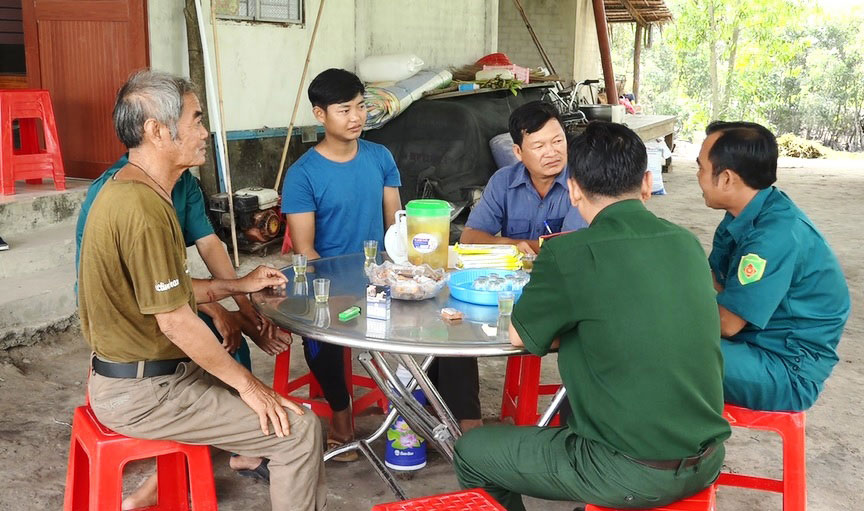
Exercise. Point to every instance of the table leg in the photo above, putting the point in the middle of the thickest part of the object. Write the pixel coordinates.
(403, 403)
(432, 396)
(552, 409)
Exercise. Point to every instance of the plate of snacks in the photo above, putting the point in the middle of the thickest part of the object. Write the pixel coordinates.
(406, 281)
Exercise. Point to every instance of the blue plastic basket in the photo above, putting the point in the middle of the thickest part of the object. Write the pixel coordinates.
(462, 286)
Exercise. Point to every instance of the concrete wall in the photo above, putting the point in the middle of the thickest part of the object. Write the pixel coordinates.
(565, 28)
(262, 62)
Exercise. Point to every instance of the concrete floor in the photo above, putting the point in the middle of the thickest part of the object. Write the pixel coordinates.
(41, 384)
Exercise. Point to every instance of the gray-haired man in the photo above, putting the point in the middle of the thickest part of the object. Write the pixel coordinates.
(158, 372)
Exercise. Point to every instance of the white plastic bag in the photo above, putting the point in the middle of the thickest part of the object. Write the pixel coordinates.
(388, 68)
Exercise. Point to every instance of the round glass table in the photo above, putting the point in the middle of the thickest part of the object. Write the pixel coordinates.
(414, 328)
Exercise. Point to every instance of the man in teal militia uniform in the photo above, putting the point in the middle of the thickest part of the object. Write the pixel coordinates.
(782, 296)
(631, 301)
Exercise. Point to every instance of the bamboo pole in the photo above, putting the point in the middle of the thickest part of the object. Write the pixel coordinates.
(217, 119)
(637, 58)
(297, 98)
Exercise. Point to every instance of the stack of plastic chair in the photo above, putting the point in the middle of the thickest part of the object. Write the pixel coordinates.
(28, 162)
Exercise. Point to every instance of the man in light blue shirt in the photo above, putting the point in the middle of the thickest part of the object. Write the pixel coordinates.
(526, 200)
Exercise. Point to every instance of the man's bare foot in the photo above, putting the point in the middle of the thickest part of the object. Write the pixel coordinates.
(147, 494)
(244, 462)
(467, 425)
(143, 496)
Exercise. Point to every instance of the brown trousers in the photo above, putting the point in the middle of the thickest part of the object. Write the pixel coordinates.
(193, 407)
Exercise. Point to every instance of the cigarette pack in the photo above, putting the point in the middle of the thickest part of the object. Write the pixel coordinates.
(377, 302)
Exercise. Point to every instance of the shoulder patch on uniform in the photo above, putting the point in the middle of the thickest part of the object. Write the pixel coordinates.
(750, 269)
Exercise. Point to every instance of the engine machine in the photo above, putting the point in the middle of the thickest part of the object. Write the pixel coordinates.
(256, 211)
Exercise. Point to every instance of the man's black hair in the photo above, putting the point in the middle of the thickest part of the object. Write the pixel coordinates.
(746, 148)
(530, 117)
(607, 159)
(334, 86)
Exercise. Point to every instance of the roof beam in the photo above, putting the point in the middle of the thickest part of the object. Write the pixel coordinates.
(633, 12)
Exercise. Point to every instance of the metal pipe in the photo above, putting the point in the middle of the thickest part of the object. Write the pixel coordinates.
(552, 409)
(432, 395)
(605, 51)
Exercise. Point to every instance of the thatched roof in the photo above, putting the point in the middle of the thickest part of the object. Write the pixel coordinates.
(637, 11)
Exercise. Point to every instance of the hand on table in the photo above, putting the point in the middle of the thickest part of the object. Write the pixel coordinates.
(260, 278)
(528, 247)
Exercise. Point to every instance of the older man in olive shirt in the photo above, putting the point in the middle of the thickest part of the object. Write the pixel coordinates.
(631, 301)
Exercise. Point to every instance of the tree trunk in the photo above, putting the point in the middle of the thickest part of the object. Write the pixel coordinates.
(209, 178)
(730, 69)
(712, 64)
(637, 57)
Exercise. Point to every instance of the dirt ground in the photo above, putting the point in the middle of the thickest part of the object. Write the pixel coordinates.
(40, 385)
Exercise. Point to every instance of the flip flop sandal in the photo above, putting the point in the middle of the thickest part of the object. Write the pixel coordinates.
(260, 472)
(345, 457)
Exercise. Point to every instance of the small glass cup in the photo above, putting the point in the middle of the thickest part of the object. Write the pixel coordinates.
(301, 285)
(481, 284)
(322, 290)
(299, 263)
(505, 302)
(370, 251)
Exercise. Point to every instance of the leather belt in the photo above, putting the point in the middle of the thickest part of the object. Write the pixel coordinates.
(678, 464)
(141, 369)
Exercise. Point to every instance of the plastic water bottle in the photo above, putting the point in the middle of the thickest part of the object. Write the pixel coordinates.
(406, 450)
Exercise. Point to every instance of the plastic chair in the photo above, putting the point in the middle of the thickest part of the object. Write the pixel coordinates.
(283, 385)
(790, 427)
(467, 500)
(28, 162)
(97, 457)
(705, 500)
(522, 391)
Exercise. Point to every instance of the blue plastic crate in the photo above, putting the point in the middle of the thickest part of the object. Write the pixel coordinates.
(462, 286)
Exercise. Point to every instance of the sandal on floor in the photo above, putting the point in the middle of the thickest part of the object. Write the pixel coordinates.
(345, 457)
(260, 472)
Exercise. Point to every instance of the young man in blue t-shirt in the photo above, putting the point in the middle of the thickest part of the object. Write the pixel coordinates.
(338, 194)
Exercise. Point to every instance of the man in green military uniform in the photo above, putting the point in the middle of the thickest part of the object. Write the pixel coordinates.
(631, 302)
(782, 296)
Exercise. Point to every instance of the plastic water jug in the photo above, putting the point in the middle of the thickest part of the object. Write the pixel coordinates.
(428, 232)
(406, 450)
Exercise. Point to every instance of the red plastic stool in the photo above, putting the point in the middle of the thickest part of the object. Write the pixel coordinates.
(28, 162)
(522, 391)
(467, 500)
(705, 500)
(285, 386)
(790, 427)
(97, 456)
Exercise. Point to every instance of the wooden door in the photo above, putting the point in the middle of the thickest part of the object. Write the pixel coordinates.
(82, 51)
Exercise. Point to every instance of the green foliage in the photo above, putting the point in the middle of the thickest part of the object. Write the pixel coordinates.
(784, 63)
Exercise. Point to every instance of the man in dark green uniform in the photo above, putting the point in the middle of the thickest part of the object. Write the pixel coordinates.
(782, 296)
(631, 302)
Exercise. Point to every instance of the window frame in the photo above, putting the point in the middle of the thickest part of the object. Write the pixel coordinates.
(301, 21)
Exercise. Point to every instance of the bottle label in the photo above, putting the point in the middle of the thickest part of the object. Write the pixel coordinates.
(424, 243)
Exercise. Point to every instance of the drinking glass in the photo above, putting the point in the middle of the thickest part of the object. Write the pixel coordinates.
(505, 302)
(299, 263)
(370, 250)
(322, 290)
